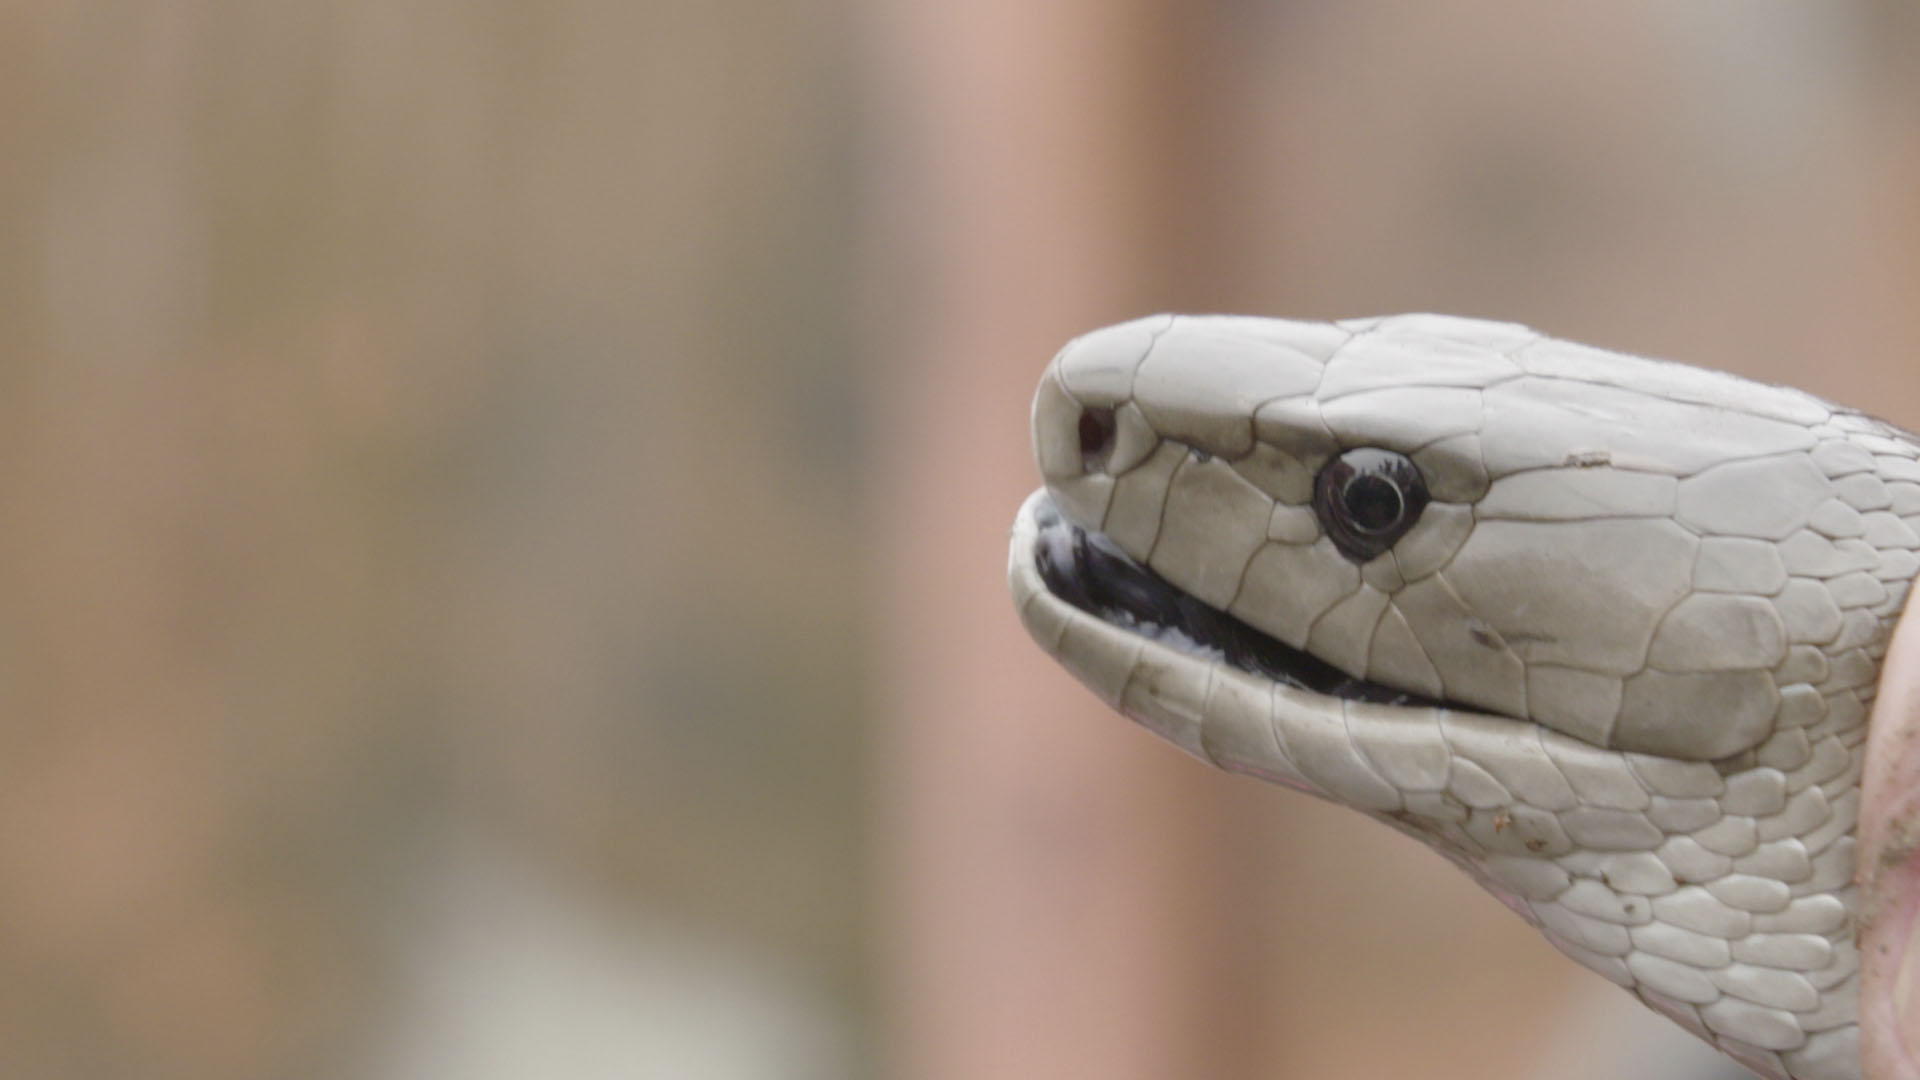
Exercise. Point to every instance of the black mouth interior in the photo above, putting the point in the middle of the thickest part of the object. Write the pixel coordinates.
(1088, 571)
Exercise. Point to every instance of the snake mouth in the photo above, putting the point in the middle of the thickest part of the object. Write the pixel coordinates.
(1090, 572)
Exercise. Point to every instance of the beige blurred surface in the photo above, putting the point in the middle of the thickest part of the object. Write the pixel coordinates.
(504, 506)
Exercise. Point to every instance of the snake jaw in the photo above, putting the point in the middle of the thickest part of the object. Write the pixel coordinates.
(1662, 593)
(1180, 689)
(1093, 574)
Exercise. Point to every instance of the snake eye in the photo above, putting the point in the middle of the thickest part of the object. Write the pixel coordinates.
(1367, 499)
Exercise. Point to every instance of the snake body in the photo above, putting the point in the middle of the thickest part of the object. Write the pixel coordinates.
(1604, 631)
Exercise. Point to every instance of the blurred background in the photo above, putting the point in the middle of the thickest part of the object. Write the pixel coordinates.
(503, 508)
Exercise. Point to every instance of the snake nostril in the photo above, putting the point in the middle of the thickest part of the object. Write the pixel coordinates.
(1096, 436)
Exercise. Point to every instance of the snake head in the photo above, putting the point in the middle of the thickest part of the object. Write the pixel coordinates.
(1602, 630)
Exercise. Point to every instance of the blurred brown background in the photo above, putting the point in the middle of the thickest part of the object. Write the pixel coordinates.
(505, 504)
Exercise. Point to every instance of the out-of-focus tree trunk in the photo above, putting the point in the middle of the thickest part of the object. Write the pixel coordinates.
(1052, 876)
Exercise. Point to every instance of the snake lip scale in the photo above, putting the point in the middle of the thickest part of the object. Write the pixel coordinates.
(1602, 631)
(1090, 572)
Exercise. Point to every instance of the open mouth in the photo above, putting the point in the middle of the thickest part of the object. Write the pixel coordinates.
(1088, 571)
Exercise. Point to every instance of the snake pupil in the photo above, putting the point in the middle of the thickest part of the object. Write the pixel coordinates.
(1373, 503)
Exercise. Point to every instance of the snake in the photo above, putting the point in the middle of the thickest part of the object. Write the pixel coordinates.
(1604, 631)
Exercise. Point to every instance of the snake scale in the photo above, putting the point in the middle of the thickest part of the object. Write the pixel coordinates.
(1604, 631)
